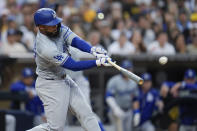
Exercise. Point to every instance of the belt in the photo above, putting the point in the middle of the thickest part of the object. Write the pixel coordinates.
(126, 109)
(62, 77)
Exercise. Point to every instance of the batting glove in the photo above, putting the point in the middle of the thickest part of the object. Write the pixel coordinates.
(99, 52)
(103, 61)
(136, 118)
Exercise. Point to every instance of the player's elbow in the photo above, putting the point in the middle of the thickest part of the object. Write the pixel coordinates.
(74, 69)
(108, 94)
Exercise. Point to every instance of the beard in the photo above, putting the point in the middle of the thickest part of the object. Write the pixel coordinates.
(54, 34)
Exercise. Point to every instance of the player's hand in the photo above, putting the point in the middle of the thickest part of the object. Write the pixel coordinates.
(98, 52)
(31, 92)
(175, 88)
(136, 119)
(160, 105)
(119, 113)
(100, 55)
(103, 61)
(31, 95)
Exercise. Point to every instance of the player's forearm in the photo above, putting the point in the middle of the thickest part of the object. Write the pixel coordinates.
(81, 44)
(78, 65)
(175, 88)
(136, 105)
(164, 91)
(111, 102)
(185, 85)
(160, 105)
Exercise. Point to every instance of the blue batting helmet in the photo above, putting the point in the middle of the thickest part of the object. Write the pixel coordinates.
(190, 74)
(126, 64)
(46, 16)
(27, 72)
(146, 77)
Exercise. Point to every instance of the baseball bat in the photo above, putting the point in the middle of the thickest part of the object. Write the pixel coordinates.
(119, 124)
(129, 74)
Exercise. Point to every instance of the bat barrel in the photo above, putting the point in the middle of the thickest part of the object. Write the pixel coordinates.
(132, 76)
(127, 73)
(141, 81)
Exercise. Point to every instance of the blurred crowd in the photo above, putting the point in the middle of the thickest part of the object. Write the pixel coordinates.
(123, 27)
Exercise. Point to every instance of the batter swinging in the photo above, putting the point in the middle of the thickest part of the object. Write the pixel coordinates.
(57, 90)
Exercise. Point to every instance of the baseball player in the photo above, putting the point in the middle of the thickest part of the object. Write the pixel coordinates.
(166, 97)
(148, 101)
(54, 87)
(188, 123)
(34, 104)
(80, 79)
(119, 94)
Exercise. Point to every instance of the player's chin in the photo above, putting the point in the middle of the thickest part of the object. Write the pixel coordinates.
(53, 34)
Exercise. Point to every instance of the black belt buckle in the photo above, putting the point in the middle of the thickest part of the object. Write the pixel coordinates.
(49, 79)
(62, 77)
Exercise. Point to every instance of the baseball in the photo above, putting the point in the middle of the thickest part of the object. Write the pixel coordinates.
(163, 60)
(100, 16)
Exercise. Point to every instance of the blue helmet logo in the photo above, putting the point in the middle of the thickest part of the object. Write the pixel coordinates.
(27, 72)
(46, 16)
(146, 77)
(126, 64)
(190, 74)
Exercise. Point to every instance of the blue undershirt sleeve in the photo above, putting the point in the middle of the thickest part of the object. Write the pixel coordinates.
(81, 44)
(78, 65)
(108, 94)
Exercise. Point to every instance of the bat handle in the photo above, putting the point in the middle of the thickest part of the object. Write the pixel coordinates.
(114, 65)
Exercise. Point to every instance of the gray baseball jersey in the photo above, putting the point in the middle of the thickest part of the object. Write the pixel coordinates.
(123, 91)
(50, 53)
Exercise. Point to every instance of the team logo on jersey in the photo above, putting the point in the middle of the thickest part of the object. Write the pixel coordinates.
(150, 97)
(59, 57)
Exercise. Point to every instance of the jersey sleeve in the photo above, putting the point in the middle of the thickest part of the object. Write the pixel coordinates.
(68, 35)
(47, 50)
(156, 95)
(111, 88)
(135, 94)
(70, 38)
